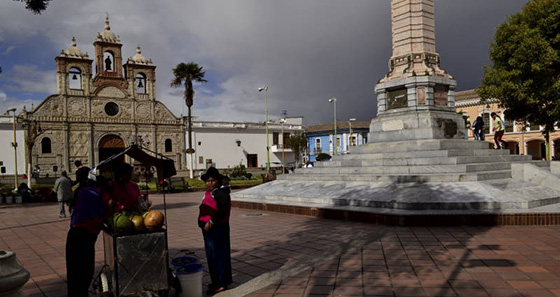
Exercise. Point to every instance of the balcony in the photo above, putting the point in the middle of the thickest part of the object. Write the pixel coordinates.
(277, 148)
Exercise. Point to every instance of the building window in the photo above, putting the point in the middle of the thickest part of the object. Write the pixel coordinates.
(75, 79)
(352, 140)
(509, 125)
(534, 127)
(168, 146)
(46, 146)
(486, 118)
(201, 160)
(275, 138)
(108, 62)
(140, 83)
(318, 145)
(285, 139)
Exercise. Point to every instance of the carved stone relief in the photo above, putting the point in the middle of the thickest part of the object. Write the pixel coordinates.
(143, 111)
(76, 107)
(52, 108)
(78, 143)
(162, 113)
(111, 92)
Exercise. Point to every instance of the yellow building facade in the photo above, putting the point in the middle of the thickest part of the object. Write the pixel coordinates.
(522, 138)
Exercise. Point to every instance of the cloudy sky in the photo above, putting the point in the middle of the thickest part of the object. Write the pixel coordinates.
(307, 51)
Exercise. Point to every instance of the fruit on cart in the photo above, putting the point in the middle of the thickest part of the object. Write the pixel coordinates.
(153, 220)
(121, 223)
(138, 222)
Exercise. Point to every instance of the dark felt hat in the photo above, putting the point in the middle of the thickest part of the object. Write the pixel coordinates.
(212, 172)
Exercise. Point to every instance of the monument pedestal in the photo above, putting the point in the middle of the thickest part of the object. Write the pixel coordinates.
(419, 107)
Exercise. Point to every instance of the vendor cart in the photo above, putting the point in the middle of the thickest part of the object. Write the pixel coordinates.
(136, 264)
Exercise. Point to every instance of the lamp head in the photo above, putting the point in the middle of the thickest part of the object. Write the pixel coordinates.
(265, 88)
(332, 99)
(11, 110)
(352, 120)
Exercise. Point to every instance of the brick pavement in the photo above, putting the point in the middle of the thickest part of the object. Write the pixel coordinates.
(285, 255)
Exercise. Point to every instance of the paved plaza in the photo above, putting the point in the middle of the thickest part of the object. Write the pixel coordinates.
(285, 255)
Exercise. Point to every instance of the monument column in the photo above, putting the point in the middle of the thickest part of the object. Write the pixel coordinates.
(415, 100)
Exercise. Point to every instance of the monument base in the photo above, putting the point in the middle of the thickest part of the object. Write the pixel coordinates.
(416, 125)
(413, 108)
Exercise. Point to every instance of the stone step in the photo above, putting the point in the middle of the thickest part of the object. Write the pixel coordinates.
(409, 205)
(419, 145)
(396, 168)
(423, 161)
(421, 154)
(401, 178)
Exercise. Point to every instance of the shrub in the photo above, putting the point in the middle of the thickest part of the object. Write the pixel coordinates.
(323, 157)
(143, 186)
(238, 171)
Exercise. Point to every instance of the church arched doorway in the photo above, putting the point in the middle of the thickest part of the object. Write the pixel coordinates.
(110, 145)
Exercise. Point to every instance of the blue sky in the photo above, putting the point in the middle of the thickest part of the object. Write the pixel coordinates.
(306, 51)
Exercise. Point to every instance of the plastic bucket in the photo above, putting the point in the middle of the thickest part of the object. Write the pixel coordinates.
(183, 261)
(190, 278)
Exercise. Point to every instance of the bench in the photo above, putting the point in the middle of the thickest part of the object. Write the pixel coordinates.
(174, 185)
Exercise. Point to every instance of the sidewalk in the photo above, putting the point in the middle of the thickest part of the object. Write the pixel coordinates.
(285, 255)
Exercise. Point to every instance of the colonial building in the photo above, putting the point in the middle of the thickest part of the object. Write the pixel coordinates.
(522, 137)
(101, 107)
(228, 144)
(348, 134)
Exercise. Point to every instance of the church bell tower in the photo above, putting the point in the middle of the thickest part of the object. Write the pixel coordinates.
(108, 59)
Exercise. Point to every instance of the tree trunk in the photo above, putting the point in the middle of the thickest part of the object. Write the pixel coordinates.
(190, 150)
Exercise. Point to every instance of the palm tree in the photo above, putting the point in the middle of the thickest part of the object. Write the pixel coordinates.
(185, 74)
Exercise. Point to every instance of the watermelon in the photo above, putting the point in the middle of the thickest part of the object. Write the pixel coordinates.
(121, 223)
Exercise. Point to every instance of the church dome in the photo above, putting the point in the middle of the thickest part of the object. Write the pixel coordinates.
(73, 51)
(139, 58)
(107, 35)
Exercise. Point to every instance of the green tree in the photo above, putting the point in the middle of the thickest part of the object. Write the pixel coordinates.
(185, 74)
(297, 143)
(525, 74)
(36, 6)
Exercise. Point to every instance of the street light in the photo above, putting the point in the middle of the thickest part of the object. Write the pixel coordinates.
(14, 144)
(335, 144)
(282, 121)
(265, 89)
(350, 125)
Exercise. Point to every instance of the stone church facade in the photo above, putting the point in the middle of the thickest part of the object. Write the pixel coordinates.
(95, 115)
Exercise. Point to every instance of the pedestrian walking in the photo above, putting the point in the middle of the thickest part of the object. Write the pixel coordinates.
(498, 131)
(478, 129)
(213, 219)
(63, 189)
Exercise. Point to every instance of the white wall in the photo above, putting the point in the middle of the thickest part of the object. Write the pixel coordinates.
(6, 148)
(218, 141)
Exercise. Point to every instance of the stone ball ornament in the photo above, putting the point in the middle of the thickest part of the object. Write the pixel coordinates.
(12, 275)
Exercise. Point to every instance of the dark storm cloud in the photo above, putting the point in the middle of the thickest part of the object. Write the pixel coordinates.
(306, 51)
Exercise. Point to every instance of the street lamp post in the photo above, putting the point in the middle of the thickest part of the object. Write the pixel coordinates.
(265, 89)
(14, 144)
(282, 121)
(350, 127)
(335, 144)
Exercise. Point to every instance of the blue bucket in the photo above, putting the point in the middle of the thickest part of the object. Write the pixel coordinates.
(188, 269)
(182, 261)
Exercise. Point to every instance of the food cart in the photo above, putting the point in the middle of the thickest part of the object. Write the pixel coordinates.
(137, 263)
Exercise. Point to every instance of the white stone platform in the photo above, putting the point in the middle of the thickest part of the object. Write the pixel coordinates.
(442, 176)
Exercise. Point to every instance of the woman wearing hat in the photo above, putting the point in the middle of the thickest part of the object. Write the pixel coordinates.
(214, 222)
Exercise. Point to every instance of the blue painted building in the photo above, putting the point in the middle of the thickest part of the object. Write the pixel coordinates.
(320, 138)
